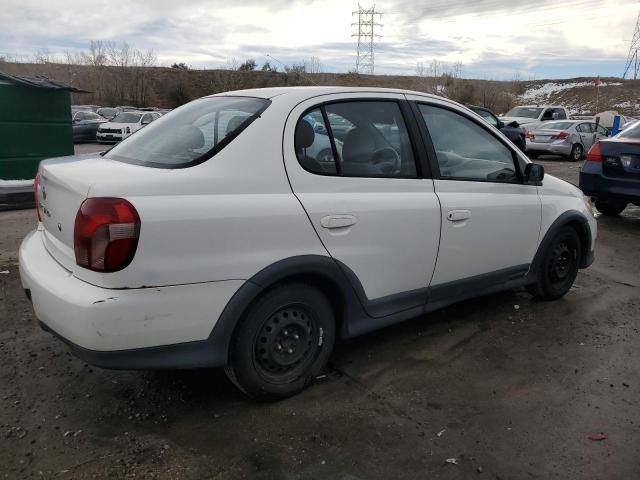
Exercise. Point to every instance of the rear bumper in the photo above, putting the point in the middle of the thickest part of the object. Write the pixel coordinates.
(552, 148)
(159, 327)
(595, 184)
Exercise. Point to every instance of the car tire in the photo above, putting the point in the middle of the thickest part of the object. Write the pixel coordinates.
(559, 267)
(282, 343)
(533, 155)
(577, 151)
(610, 208)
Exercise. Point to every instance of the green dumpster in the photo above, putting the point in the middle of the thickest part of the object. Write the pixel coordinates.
(35, 123)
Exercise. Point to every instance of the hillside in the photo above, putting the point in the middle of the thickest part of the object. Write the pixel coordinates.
(166, 87)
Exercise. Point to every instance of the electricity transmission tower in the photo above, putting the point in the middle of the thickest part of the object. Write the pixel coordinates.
(632, 58)
(366, 35)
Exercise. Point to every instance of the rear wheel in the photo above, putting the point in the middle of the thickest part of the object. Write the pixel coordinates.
(610, 208)
(576, 153)
(559, 266)
(282, 343)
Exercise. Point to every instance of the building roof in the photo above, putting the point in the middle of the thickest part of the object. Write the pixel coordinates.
(39, 82)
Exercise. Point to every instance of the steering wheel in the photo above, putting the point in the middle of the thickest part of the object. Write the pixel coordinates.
(387, 160)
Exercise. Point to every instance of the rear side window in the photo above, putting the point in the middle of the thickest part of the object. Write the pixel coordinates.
(362, 139)
(190, 134)
(465, 150)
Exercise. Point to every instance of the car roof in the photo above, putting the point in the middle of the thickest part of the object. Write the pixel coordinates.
(294, 95)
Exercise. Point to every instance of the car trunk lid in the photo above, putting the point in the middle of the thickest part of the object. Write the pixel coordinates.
(63, 184)
(621, 158)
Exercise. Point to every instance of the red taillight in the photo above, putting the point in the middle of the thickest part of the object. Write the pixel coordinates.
(594, 155)
(106, 234)
(36, 182)
(561, 136)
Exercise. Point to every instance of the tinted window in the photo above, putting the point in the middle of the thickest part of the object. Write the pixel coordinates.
(465, 150)
(313, 146)
(489, 117)
(92, 116)
(370, 139)
(632, 132)
(561, 113)
(189, 134)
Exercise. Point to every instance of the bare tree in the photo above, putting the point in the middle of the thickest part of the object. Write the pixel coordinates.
(314, 65)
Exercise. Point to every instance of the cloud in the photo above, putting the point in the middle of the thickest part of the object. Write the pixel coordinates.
(490, 37)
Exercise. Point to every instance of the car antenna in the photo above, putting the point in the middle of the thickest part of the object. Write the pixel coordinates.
(304, 74)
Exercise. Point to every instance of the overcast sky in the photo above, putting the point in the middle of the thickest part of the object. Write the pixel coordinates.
(491, 38)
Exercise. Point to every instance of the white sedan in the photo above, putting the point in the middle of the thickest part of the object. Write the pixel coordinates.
(217, 237)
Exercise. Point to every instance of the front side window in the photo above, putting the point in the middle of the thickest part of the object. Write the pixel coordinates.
(562, 115)
(465, 150)
(190, 134)
(368, 139)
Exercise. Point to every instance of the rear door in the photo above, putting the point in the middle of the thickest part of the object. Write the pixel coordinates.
(365, 193)
(490, 219)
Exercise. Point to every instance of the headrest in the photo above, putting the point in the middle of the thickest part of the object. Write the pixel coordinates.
(189, 136)
(357, 147)
(234, 123)
(304, 136)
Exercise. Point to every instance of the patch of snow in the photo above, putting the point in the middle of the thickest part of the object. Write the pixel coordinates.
(547, 89)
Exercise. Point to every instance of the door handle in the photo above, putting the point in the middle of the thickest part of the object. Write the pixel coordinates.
(338, 221)
(458, 215)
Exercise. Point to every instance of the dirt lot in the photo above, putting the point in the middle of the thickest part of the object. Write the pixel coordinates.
(510, 388)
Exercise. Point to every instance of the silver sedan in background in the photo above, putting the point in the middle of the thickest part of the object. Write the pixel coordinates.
(569, 138)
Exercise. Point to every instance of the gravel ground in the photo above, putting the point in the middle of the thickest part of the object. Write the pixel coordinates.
(508, 387)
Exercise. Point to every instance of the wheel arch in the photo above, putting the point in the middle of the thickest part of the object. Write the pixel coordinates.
(580, 224)
(321, 272)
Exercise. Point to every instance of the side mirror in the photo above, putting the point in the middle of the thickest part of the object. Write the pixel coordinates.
(533, 174)
(500, 124)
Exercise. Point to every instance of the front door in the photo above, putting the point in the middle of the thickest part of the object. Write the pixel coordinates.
(490, 219)
(352, 163)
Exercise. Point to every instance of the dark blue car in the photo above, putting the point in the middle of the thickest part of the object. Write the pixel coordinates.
(611, 173)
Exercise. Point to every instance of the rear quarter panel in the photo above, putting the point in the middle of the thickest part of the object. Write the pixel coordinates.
(227, 218)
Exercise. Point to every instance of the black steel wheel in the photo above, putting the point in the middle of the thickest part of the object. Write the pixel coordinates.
(559, 267)
(282, 343)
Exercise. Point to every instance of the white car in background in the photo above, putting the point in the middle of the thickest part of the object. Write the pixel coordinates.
(221, 236)
(123, 125)
(570, 138)
(530, 117)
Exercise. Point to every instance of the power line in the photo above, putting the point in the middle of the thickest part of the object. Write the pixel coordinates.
(632, 58)
(365, 61)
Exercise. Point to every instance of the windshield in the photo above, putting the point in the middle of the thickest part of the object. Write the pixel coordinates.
(106, 111)
(556, 125)
(632, 133)
(190, 134)
(524, 112)
(127, 118)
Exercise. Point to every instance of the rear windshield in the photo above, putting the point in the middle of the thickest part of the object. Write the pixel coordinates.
(190, 134)
(127, 118)
(633, 132)
(556, 125)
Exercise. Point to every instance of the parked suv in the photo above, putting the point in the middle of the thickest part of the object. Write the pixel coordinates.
(530, 117)
(217, 237)
(611, 173)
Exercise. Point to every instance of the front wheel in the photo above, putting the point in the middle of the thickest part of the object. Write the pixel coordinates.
(282, 343)
(610, 208)
(559, 266)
